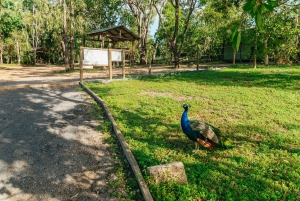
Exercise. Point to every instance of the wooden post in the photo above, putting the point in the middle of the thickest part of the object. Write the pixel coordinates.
(132, 55)
(151, 52)
(123, 64)
(81, 64)
(109, 63)
(102, 41)
(198, 57)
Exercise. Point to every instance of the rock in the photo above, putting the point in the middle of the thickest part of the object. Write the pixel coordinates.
(167, 172)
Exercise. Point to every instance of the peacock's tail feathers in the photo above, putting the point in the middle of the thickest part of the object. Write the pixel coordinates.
(205, 130)
(205, 143)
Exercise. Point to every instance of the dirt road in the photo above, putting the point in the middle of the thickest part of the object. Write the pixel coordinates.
(50, 148)
(19, 75)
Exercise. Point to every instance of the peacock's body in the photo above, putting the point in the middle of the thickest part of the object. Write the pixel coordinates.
(199, 132)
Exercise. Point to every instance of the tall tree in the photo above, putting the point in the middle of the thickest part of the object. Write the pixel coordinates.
(64, 42)
(72, 34)
(186, 7)
(143, 13)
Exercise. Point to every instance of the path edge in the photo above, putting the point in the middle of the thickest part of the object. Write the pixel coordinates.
(130, 158)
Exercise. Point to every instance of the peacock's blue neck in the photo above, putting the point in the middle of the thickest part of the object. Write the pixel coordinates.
(185, 125)
(185, 120)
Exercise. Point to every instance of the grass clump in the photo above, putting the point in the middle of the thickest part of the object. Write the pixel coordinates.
(257, 111)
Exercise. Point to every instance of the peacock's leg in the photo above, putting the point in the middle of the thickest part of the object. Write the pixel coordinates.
(196, 147)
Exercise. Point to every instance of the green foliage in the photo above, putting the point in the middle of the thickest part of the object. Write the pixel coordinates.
(257, 7)
(9, 19)
(213, 25)
(256, 110)
(236, 38)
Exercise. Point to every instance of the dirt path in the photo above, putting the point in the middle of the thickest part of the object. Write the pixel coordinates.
(19, 75)
(50, 148)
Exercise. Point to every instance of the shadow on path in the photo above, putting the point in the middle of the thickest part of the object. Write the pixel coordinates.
(50, 148)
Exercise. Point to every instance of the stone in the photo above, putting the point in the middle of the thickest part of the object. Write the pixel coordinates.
(168, 172)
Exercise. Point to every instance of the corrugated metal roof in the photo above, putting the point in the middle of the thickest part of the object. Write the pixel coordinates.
(116, 34)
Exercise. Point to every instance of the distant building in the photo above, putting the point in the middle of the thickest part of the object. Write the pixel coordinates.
(244, 53)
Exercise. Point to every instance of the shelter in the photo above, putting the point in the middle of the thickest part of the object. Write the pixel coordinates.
(112, 35)
(40, 55)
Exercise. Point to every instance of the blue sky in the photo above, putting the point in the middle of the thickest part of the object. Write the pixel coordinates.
(154, 26)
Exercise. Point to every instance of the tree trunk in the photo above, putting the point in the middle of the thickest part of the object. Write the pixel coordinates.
(142, 50)
(1, 55)
(254, 61)
(34, 57)
(266, 55)
(18, 52)
(155, 50)
(177, 61)
(255, 49)
(65, 37)
(234, 56)
(176, 46)
(72, 34)
(175, 35)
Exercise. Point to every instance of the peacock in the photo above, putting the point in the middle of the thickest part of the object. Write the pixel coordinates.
(199, 132)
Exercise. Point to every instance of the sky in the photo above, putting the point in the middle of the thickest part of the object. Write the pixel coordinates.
(154, 27)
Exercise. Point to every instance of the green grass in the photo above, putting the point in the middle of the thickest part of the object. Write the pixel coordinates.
(257, 111)
(122, 183)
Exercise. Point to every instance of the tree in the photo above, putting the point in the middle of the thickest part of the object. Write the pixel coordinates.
(143, 13)
(276, 31)
(64, 41)
(10, 20)
(178, 6)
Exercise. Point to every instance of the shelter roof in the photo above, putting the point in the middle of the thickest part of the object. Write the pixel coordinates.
(116, 34)
(39, 49)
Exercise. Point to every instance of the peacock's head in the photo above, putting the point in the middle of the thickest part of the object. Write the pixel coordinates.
(185, 106)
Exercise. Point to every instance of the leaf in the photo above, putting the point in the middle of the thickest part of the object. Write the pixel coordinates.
(254, 10)
(233, 33)
(249, 5)
(258, 20)
(260, 8)
(269, 7)
(236, 41)
(273, 3)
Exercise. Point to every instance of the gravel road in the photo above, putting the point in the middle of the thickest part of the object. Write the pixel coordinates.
(50, 148)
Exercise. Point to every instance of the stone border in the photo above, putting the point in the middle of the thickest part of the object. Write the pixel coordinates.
(132, 161)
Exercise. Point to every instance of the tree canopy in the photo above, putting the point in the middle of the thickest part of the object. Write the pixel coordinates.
(266, 29)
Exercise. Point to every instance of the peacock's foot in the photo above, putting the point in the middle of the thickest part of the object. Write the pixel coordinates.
(195, 151)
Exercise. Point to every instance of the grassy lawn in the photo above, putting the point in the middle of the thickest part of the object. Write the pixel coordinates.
(257, 111)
